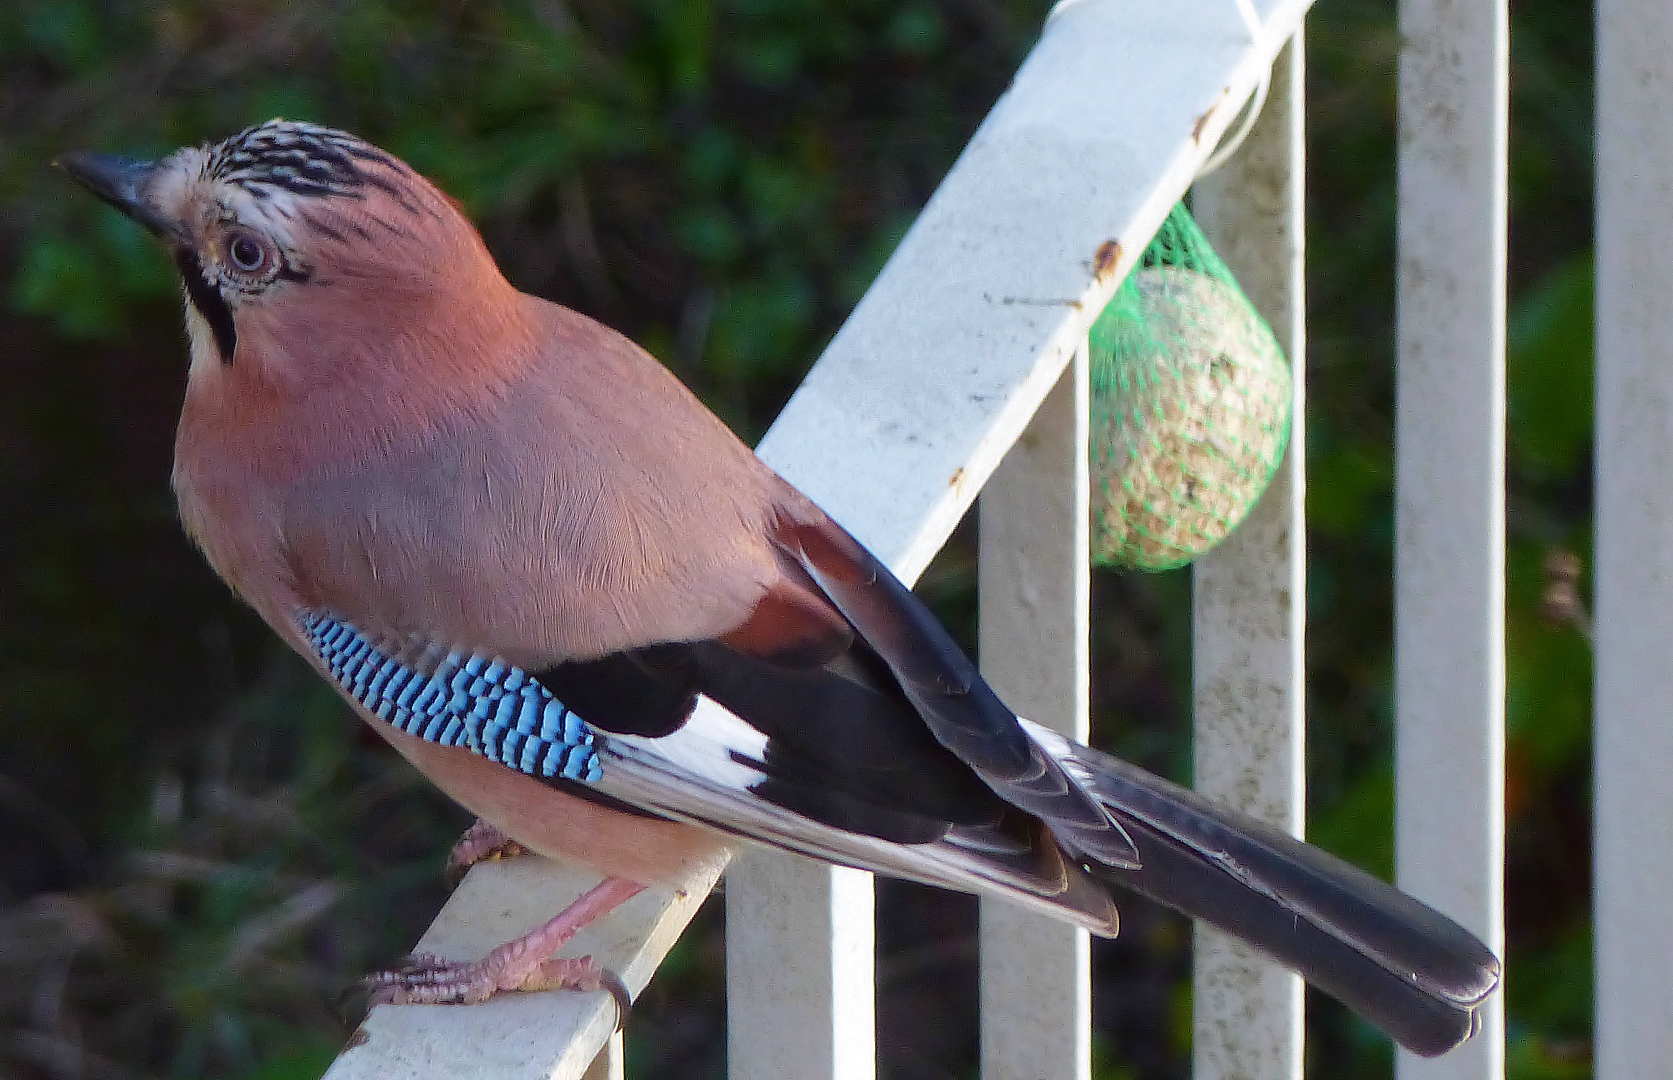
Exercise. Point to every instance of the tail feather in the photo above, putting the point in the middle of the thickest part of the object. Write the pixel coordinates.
(1411, 971)
(1178, 877)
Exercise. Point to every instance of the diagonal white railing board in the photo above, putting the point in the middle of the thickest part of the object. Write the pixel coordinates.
(910, 409)
(1449, 483)
(937, 372)
(550, 1036)
(1035, 585)
(1634, 569)
(1249, 600)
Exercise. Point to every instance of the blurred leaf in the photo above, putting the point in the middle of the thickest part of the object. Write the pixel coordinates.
(1531, 1057)
(870, 261)
(1358, 827)
(308, 1063)
(1552, 989)
(711, 234)
(1549, 371)
(1548, 668)
(917, 30)
(85, 282)
(1344, 483)
(758, 325)
(67, 32)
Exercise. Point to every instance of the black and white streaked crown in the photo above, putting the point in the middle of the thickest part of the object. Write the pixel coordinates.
(303, 158)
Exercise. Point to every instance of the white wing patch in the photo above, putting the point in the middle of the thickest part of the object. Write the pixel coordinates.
(712, 744)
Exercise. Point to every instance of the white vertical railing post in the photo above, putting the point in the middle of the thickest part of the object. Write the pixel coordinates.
(1036, 993)
(1449, 483)
(609, 1064)
(799, 983)
(1249, 601)
(1634, 569)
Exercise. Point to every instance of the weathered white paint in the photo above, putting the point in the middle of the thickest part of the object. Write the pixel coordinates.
(1250, 601)
(551, 1036)
(800, 968)
(1449, 488)
(943, 362)
(1634, 569)
(1034, 625)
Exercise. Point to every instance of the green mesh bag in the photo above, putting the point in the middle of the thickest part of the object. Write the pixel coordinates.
(1190, 406)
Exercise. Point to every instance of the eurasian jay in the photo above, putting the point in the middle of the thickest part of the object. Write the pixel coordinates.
(562, 588)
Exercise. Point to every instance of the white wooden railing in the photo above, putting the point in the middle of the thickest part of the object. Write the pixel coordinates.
(1633, 568)
(1249, 598)
(974, 335)
(1449, 677)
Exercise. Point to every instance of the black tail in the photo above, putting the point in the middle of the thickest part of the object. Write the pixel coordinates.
(1411, 971)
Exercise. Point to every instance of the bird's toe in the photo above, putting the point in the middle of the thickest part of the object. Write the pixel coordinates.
(482, 842)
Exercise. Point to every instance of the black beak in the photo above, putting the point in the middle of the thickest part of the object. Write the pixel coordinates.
(120, 182)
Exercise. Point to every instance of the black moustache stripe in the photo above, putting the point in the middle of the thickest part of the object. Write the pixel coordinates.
(207, 299)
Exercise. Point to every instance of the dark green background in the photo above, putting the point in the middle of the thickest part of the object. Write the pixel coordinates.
(202, 850)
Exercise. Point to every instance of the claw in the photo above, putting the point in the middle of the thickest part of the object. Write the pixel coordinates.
(623, 997)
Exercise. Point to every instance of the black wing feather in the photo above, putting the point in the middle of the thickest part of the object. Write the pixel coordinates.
(842, 749)
(950, 696)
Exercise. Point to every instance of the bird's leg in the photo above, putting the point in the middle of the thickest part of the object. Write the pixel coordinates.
(524, 964)
(482, 842)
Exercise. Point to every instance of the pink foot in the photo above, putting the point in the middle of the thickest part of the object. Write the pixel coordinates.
(481, 843)
(524, 964)
(430, 980)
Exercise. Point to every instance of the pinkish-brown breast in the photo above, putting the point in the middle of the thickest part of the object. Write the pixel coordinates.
(567, 502)
(650, 851)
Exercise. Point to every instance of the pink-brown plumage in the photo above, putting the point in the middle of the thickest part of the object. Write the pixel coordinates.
(601, 534)
(648, 851)
(531, 481)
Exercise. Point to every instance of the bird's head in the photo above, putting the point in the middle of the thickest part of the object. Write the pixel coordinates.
(296, 243)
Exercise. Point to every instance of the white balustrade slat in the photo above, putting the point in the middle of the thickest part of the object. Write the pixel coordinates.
(1034, 626)
(946, 358)
(800, 966)
(608, 1065)
(1250, 600)
(1449, 487)
(1634, 553)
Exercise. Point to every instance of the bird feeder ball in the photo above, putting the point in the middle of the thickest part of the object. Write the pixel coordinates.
(1191, 401)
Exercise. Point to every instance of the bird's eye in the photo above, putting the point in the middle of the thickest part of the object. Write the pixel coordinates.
(246, 252)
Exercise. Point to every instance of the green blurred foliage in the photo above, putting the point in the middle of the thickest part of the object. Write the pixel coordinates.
(722, 182)
(1549, 374)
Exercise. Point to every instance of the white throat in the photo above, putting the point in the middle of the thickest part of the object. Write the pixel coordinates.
(206, 357)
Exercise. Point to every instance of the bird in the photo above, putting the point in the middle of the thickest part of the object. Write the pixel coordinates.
(539, 567)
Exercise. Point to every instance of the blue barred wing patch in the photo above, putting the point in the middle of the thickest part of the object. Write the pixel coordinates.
(488, 706)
